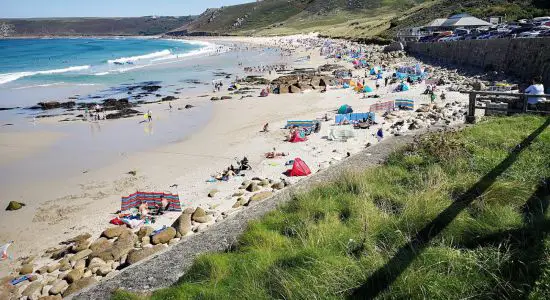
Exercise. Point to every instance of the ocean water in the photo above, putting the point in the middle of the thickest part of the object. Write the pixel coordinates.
(25, 62)
(91, 70)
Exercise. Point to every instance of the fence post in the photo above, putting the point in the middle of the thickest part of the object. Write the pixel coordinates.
(524, 107)
(471, 117)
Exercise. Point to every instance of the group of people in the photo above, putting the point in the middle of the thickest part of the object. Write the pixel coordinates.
(264, 69)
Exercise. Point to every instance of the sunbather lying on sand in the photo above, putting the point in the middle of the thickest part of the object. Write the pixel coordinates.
(275, 154)
(143, 209)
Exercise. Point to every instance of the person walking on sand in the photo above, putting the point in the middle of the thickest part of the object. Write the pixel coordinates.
(386, 81)
(380, 134)
(170, 105)
(149, 116)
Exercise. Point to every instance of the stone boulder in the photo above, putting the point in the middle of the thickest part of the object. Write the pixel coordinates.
(261, 196)
(253, 187)
(145, 231)
(78, 285)
(51, 297)
(74, 275)
(183, 224)
(33, 288)
(278, 185)
(294, 89)
(164, 236)
(26, 269)
(14, 205)
(213, 193)
(80, 255)
(136, 255)
(214, 98)
(119, 248)
(100, 245)
(226, 97)
(114, 232)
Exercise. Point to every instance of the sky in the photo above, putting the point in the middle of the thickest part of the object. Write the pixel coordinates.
(107, 8)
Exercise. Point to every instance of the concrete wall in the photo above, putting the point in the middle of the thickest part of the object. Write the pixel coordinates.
(524, 58)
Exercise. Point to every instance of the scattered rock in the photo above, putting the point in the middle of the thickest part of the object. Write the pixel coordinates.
(164, 236)
(80, 255)
(183, 223)
(146, 240)
(26, 269)
(33, 288)
(214, 98)
(100, 245)
(145, 231)
(74, 275)
(261, 196)
(114, 232)
(136, 255)
(237, 194)
(53, 268)
(213, 193)
(14, 205)
(278, 185)
(80, 284)
(56, 297)
(173, 241)
(253, 187)
(226, 98)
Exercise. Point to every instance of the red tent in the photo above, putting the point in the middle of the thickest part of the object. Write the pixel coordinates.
(296, 138)
(299, 168)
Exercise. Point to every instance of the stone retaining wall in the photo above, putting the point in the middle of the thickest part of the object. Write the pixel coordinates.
(524, 58)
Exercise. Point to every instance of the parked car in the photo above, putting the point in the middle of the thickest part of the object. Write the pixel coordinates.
(529, 34)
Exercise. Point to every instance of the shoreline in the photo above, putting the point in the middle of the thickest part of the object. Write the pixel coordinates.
(184, 166)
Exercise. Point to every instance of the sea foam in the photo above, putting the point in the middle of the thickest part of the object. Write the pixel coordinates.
(8, 77)
(157, 54)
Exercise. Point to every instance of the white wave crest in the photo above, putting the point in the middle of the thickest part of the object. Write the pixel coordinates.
(8, 77)
(123, 60)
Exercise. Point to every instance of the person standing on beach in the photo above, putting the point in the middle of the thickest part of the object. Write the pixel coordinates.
(380, 134)
(377, 83)
(386, 81)
(149, 116)
(170, 105)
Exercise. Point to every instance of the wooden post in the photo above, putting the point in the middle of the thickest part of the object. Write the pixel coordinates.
(471, 117)
(525, 105)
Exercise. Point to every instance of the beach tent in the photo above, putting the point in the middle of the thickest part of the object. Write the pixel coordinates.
(345, 109)
(152, 199)
(299, 168)
(298, 136)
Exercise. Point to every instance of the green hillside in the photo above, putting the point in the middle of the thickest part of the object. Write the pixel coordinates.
(95, 26)
(350, 18)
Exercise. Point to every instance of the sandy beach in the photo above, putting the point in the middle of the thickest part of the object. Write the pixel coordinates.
(57, 209)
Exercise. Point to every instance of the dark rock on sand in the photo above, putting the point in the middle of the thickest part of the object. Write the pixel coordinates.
(214, 98)
(151, 88)
(78, 285)
(56, 104)
(226, 97)
(136, 255)
(14, 205)
(164, 236)
(188, 106)
(124, 113)
(169, 98)
(114, 104)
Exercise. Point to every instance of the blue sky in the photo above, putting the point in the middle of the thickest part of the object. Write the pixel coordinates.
(107, 8)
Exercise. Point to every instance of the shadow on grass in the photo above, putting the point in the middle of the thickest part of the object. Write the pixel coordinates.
(382, 278)
(525, 245)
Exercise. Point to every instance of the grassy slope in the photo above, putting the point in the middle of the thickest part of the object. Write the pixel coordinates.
(355, 18)
(328, 242)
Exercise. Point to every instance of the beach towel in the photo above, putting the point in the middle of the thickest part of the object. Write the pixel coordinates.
(404, 104)
(299, 168)
(152, 199)
(4, 251)
(384, 106)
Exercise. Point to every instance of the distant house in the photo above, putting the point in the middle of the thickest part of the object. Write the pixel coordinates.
(457, 21)
(464, 21)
